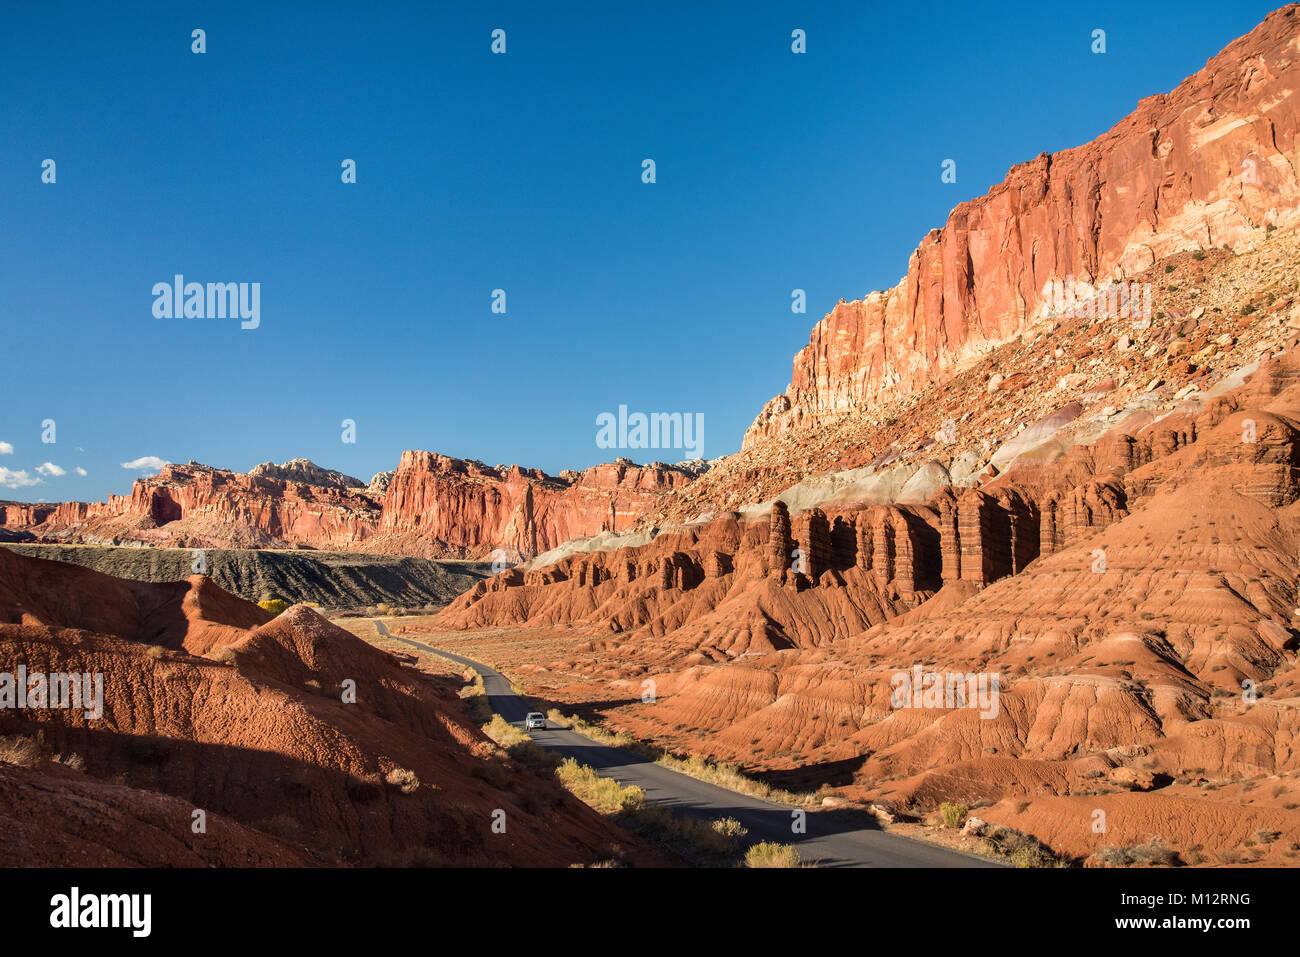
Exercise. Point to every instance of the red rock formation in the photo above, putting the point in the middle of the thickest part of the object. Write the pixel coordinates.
(210, 702)
(24, 514)
(197, 506)
(1212, 162)
(713, 588)
(433, 506)
(438, 506)
(1169, 665)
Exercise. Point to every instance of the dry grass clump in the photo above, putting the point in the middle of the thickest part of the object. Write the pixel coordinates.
(727, 776)
(20, 749)
(952, 814)
(28, 751)
(604, 794)
(1154, 853)
(402, 779)
(771, 854)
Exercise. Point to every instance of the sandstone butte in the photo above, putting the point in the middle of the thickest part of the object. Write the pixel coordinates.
(210, 702)
(431, 506)
(1212, 162)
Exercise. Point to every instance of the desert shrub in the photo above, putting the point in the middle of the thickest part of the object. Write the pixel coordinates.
(384, 608)
(1154, 852)
(730, 827)
(402, 779)
(1265, 836)
(1030, 856)
(517, 743)
(20, 749)
(604, 794)
(154, 652)
(1025, 850)
(730, 833)
(771, 854)
(503, 732)
(1114, 857)
(952, 814)
(74, 761)
(274, 605)
(690, 836)
(532, 755)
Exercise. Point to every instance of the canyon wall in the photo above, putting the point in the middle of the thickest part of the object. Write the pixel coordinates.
(432, 506)
(727, 587)
(1211, 163)
(458, 507)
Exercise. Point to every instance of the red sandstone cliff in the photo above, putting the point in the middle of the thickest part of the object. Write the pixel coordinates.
(1213, 162)
(437, 505)
(433, 506)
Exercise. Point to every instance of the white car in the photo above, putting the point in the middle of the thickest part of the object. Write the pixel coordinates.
(534, 720)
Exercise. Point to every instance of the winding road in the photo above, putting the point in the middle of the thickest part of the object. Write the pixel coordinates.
(832, 838)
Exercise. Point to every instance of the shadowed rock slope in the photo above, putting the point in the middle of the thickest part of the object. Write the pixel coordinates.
(334, 580)
(210, 703)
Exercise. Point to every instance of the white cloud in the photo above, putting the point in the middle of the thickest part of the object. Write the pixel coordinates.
(150, 463)
(49, 468)
(79, 470)
(16, 479)
(6, 448)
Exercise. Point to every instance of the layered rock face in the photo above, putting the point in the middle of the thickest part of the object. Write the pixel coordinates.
(1212, 163)
(1135, 598)
(443, 506)
(727, 587)
(194, 505)
(432, 506)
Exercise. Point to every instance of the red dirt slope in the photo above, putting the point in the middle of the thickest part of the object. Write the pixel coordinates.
(209, 703)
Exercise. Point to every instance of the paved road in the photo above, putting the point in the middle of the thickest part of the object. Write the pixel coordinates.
(833, 838)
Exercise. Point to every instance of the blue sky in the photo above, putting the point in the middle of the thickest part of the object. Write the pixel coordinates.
(475, 172)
